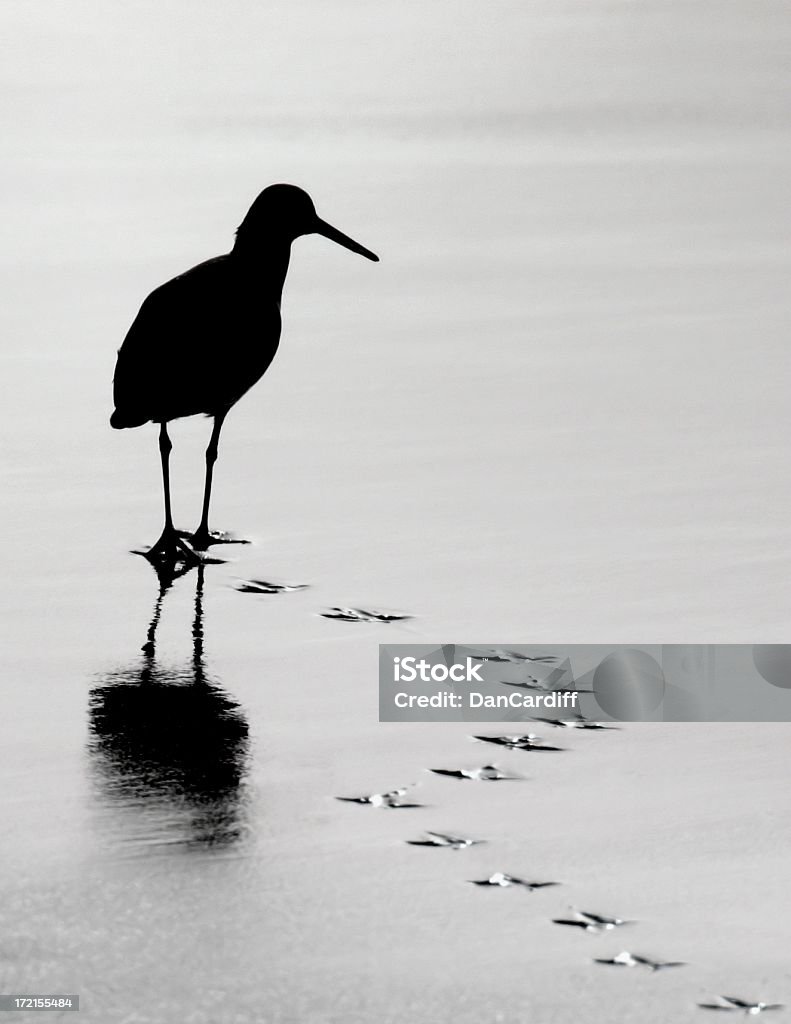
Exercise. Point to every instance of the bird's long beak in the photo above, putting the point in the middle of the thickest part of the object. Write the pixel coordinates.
(321, 227)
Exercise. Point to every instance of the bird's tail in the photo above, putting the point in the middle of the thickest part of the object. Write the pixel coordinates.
(120, 419)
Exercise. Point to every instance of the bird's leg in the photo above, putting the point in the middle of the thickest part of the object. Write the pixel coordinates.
(202, 538)
(170, 546)
(165, 447)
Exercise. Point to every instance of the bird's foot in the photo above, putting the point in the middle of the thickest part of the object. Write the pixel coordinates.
(202, 538)
(172, 548)
(172, 557)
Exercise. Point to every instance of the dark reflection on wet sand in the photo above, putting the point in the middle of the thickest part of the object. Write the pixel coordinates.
(168, 746)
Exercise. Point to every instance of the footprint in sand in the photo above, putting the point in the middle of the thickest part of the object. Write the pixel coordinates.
(268, 587)
(363, 615)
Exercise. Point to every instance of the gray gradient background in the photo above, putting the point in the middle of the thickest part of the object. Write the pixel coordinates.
(558, 409)
(616, 682)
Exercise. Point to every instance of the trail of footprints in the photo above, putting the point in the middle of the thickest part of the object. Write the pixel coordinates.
(394, 799)
(583, 920)
(340, 614)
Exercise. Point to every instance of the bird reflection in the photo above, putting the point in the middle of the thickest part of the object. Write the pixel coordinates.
(168, 742)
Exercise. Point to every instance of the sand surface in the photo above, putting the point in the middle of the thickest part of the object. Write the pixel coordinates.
(556, 412)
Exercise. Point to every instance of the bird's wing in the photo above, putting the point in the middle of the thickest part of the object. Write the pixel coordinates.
(197, 344)
(158, 339)
(741, 1003)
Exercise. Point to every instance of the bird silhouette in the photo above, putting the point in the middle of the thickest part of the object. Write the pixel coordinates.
(202, 340)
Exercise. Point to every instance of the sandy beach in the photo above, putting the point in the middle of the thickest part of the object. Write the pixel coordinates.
(555, 412)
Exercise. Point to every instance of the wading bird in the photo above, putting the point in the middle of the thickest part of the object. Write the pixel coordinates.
(203, 339)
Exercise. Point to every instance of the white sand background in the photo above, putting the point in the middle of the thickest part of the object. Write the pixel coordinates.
(556, 412)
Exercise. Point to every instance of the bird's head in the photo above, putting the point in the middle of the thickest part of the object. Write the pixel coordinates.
(285, 212)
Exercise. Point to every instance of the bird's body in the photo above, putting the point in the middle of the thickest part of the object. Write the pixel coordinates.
(199, 342)
(203, 339)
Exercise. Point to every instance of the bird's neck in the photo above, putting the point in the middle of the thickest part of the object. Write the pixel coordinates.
(266, 265)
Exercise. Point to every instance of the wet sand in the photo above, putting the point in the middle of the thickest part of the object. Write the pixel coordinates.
(556, 411)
